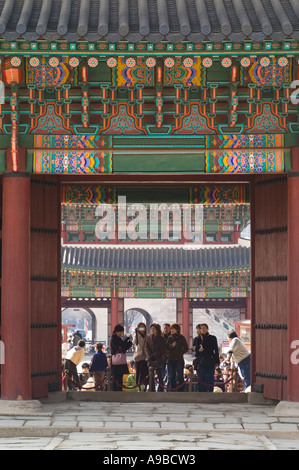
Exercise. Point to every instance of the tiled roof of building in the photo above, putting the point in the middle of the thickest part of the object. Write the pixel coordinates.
(152, 20)
(155, 259)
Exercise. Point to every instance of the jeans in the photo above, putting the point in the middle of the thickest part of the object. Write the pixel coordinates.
(74, 381)
(206, 377)
(176, 372)
(159, 372)
(245, 371)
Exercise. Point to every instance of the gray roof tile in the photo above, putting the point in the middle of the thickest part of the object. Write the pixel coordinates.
(153, 20)
(154, 259)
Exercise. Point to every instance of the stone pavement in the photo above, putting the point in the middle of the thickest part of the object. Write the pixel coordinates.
(115, 426)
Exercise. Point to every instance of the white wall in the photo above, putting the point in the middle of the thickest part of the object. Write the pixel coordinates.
(161, 310)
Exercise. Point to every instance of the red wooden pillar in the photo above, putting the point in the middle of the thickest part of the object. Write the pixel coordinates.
(114, 307)
(293, 279)
(15, 316)
(114, 312)
(185, 318)
(248, 307)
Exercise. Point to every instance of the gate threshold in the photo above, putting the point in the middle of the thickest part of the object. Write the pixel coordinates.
(157, 397)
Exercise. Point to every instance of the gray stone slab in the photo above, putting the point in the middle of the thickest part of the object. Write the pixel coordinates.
(287, 408)
(37, 423)
(228, 426)
(284, 427)
(14, 423)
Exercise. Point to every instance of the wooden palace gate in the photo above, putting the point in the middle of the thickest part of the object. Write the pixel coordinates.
(166, 94)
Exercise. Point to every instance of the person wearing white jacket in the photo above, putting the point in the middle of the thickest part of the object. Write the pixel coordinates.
(72, 360)
(139, 354)
(241, 356)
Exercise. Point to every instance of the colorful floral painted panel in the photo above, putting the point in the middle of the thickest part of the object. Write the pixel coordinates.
(243, 141)
(49, 72)
(72, 141)
(220, 194)
(187, 71)
(88, 194)
(68, 162)
(129, 71)
(268, 72)
(245, 161)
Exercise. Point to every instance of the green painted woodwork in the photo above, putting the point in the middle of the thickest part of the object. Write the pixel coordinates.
(231, 283)
(2, 160)
(145, 48)
(226, 104)
(159, 163)
(158, 141)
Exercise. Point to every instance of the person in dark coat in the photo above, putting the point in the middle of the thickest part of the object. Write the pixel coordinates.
(155, 354)
(98, 367)
(177, 346)
(207, 355)
(119, 345)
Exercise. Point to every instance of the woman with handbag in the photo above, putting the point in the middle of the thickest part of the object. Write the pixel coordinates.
(119, 367)
(139, 354)
(207, 355)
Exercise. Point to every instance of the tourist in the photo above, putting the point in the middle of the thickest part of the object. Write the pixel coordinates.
(207, 354)
(155, 354)
(84, 375)
(224, 362)
(225, 368)
(241, 356)
(139, 354)
(98, 367)
(219, 380)
(119, 367)
(76, 337)
(166, 334)
(166, 331)
(176, 346)
(72, 360)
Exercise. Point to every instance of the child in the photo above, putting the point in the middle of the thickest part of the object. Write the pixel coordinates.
(98, 367)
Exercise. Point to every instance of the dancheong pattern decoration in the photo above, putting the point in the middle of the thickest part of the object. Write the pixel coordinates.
(127, 72)
(233, 283)
(92, 103)
(80, 162)
(88, 194)
(50, 72)
(267, 71)
(245, 161)
(83, 142)
(246, 141)
(219, 194)
(200, 194)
